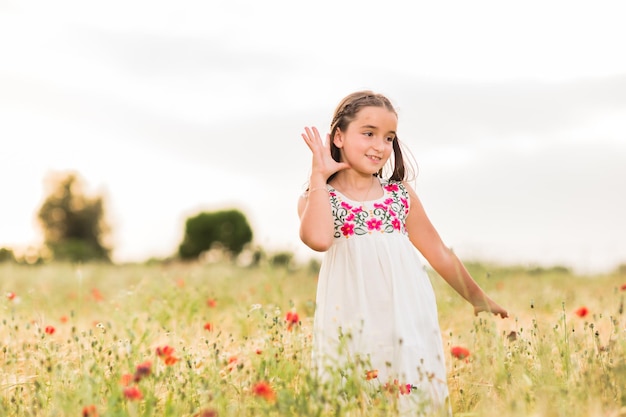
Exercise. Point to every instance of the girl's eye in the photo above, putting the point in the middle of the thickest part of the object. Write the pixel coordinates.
(390, 139)
(370, 134)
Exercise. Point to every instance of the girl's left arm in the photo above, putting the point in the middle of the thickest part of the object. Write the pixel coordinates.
(426, 239)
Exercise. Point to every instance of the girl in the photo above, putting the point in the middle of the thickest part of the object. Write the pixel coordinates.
(374, 298)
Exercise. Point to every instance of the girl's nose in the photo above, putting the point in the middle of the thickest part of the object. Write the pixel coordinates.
(379, 143)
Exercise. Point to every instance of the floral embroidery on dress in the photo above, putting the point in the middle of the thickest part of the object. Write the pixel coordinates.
(385, 215)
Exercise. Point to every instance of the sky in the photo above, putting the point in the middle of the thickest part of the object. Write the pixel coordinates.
(513, 112)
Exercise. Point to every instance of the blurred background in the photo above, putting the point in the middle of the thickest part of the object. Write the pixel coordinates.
(514, 113)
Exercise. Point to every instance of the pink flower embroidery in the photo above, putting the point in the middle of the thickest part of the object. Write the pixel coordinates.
(350, 217)
(357, 210)
(396, 224)
(391, 187)
(346, 205)
(374, 224)
(380, 206)
(347, 229)
(389, 201)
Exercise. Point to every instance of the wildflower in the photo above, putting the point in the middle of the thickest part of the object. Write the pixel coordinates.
(263, 389)
(369, 375)
(96, 294)
(397, 388)
(126, 379)
(459, 352)
(90, 411)
(292, 319)
(50, 329)
(11, 296)
(143, 370)
(405, 389)
(623, 287)
(64, 319)
(167, 354)
(164, 351)
(258, 351)
(170, 360)
(211, 302)
(208, 326)
(132, 393)
(582, 311)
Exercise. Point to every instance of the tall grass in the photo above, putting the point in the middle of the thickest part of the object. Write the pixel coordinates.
(83, 340)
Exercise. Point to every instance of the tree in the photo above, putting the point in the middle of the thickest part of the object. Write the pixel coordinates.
(6, 255)
(73, 223)
(228, 229)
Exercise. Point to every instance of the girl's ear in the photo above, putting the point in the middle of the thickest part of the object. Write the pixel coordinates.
(338, 139)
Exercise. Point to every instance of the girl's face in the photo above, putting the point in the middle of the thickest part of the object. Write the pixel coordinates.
(367, 143)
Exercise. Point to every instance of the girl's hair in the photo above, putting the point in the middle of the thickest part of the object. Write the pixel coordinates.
(346, 112)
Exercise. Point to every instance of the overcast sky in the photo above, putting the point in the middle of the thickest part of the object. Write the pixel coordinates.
(514, 113)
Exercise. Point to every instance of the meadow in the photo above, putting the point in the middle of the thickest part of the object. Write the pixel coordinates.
(223, 340)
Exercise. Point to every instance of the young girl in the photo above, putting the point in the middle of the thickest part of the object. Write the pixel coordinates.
(374, 297)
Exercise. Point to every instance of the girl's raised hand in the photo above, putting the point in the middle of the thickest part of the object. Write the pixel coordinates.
(323, 162)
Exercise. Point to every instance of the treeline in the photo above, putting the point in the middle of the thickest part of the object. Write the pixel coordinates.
(75, 229)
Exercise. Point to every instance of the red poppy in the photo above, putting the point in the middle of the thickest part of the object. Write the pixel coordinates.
(263, 389)
(11, 295)
(369, 375)
(125, 379)
(405, 389)
(397, 388)
(132, 393)
(170, 360)
(64, 319)
(167, 354)
(208, 326)
(90, 411)
(292, 319)
(143, 370)
(97, 295)
(258, 351)
(459, 352)
(582, 311)
(623, 287)
(50, 329)
(164, 351)
(211, 302)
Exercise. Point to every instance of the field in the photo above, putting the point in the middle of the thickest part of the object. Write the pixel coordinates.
(221, 340)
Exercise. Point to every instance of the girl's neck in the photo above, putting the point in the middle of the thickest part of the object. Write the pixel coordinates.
(353, 181)
(357, 187)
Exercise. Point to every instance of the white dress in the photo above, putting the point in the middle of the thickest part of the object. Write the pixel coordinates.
(373, 288)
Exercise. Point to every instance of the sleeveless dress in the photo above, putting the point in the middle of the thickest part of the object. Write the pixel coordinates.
(375, 302)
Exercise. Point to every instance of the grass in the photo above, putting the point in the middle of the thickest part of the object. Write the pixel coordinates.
(73, 337)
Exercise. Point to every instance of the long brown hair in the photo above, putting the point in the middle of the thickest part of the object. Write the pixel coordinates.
(346, 112)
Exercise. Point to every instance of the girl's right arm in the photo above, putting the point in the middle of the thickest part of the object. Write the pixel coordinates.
(316, 219)
(316, 222)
